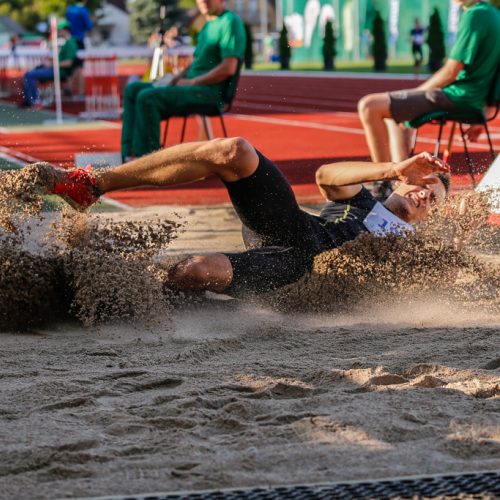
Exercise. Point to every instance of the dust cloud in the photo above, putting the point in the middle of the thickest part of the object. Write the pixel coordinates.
(87, 267)
(438, 263)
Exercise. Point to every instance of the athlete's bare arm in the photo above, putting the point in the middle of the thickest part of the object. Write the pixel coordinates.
(180, 75)
(343, 180)
(443, 77)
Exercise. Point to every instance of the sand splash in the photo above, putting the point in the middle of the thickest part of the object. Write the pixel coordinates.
(96, 270)
(434, 264)
(21, 193)
(87, 267)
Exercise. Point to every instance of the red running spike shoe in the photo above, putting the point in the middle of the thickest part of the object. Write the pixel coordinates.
(78, 187)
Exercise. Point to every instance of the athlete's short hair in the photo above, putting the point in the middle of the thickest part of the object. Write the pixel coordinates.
(446, 180)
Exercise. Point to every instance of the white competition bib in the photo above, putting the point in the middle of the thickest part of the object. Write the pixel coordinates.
(383, 221)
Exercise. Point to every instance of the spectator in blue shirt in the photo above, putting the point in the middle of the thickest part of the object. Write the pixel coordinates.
(78, 16)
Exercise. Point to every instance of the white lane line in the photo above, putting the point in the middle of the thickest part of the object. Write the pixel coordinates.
(299, 123)
(336, 128)
(18, 155)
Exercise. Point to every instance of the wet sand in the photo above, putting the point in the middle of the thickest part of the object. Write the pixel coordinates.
(226, 394)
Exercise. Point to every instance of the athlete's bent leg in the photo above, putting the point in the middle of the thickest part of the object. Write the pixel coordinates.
(230, 159)
(373, 109)
(207, 272)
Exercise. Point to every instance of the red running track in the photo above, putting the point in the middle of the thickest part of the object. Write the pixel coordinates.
(298, 143)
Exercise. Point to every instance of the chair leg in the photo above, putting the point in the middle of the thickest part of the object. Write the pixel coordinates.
(184, 128)
(437, 149)
(164, 142)
(414, 142)
(207, 127)
(447, 151)
(223, 125)
(492, 150)
(468, 159)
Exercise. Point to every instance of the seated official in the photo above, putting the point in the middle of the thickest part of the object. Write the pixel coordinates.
(463, 82)
(221, 43)
(67, 58)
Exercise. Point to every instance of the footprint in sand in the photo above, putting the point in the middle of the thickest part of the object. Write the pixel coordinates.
(283, 391)
(387, 379)
(492, 365)
(422, 369)
(428, 381)
(365, 378)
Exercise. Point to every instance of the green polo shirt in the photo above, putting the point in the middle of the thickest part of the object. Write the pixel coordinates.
(478, 47)
(68, 52)
(220, 38)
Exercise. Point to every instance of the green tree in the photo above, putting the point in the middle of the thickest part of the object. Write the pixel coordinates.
(248, 47)
(145, 17)
(30, 12)
(284, 48)
(329, 50)
(435, 40)
(379, 47)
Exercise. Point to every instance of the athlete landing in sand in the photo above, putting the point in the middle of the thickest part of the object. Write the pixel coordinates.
(265, 203)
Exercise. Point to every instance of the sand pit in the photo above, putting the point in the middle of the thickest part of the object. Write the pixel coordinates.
(238, 396)
(231, 393)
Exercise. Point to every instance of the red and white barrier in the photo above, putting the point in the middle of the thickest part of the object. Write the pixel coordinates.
(102, 97)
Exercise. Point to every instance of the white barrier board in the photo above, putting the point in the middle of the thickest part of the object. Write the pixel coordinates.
(491, 181)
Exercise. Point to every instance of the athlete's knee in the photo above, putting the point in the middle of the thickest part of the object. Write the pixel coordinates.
(234, 157)
(202, 272)
(229, 150)
(373, 105)
(145, 97)
(132, 88)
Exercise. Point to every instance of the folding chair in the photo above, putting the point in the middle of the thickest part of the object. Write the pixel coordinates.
(461, 116)
(208, 109)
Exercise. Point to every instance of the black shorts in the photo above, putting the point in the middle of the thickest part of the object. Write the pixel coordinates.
(406, 105)
(77, 62)
(265, 203)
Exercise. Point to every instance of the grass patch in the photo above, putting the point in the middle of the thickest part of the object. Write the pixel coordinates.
(6, 164)
(395, 67)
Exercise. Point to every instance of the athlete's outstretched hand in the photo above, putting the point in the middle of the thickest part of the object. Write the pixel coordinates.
(418, 169)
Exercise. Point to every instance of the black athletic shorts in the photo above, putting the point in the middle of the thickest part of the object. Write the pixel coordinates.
(406, 105)
(77, 62)
(265, 203)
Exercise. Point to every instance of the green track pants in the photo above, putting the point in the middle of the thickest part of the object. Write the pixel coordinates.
(145, 106)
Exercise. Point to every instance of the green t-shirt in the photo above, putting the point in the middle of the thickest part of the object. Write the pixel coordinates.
(478, 47)
(220, 38)
(68, 51)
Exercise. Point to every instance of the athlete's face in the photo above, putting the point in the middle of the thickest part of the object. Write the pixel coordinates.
(210, 7)
(413, 203)
(466, 3)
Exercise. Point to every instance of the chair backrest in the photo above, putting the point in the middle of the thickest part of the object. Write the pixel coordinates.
(494, 93)
(493, 98)
(231, 86)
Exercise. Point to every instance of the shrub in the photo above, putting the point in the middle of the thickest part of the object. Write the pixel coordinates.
(285, 50)
(249, 47)
(329, 50)
(435, 40)
(379, 47)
